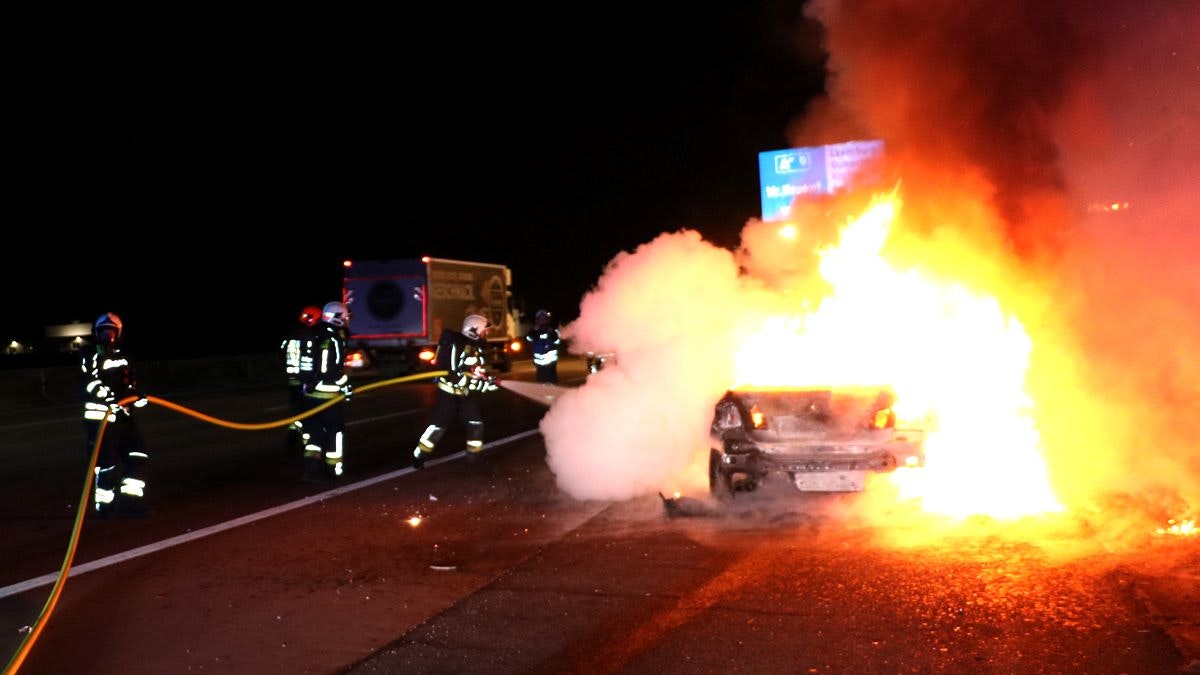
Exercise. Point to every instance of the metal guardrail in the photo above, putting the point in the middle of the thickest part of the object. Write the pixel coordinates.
(41, 387)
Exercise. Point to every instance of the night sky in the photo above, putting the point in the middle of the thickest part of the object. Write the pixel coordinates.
(207, 185)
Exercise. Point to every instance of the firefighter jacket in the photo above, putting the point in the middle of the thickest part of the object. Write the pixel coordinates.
(464, 359)
(296, 348)
(108, 378)
(544, 344)
(322, 363)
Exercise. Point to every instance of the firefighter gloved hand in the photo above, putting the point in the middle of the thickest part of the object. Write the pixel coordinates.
(115, 408)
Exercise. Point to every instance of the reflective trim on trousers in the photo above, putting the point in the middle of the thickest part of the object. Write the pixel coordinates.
(333, 458)
(474, 434)
(432, 433)
(102, 495)
(133, 487)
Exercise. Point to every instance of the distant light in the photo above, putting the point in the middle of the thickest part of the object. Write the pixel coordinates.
(1108, 207)
(347, 263)
(425, 258)
(414, 521)
(787, 231)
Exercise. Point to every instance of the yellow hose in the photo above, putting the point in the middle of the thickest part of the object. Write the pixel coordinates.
(280, 423)
(44, 617)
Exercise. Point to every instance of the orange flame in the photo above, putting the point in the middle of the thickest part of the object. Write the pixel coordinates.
(1184, 528)
(955, 359)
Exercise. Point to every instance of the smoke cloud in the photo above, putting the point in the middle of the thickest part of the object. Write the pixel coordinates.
(1046, 152)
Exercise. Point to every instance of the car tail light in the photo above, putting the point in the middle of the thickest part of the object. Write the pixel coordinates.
(427, 355)
(514, 346)
(757, 418)
(356, 359)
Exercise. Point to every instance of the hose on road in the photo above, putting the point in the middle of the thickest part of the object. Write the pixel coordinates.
(84, 498)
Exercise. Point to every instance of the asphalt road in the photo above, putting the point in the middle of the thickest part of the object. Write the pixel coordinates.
(491, 569)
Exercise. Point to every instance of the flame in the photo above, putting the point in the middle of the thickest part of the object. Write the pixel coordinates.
(414, 521)
(1184, 528)
(954, 357)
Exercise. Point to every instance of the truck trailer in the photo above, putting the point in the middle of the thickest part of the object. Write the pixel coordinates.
(400, 307)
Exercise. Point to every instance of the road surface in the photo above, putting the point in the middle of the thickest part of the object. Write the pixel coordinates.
(491, 569)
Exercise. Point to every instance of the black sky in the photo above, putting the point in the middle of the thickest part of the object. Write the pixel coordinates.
(207, 183)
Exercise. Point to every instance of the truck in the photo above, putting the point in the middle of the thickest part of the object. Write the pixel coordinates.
(399, 308)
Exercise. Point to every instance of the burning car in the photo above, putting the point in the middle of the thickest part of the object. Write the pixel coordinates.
(824, 439)
(597, 360)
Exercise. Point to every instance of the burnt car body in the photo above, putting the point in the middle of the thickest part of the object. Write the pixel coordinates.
(823, 439)
(597, 360)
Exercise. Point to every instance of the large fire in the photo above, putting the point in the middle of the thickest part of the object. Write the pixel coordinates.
(954, 357)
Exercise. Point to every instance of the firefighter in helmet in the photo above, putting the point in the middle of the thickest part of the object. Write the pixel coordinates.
(291, 349)
(323, 378)
(461, 354)
(109, 382)
(544, 343)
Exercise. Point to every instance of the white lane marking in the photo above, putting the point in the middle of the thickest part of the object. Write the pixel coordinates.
(76, 570)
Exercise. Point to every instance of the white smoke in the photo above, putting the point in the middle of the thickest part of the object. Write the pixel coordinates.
(670, 311)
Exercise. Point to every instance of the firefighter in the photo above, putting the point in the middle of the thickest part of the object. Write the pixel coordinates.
(544, 342)
(323, 378)
(462, 356)
(109, 379)
(292, 347)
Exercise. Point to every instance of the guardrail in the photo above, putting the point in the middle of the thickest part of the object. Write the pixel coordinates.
(41, 387)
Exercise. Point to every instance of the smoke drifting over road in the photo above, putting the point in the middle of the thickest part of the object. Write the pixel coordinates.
(1046, 153)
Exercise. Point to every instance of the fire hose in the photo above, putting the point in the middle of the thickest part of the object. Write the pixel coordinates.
(36, 630)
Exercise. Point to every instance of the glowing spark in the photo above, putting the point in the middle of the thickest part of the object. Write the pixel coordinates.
(1182, 529)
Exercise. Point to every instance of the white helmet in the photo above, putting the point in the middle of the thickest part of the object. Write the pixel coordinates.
(474, 326)
(335, 314)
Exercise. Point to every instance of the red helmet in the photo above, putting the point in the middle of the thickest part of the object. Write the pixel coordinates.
(310, 315)
(107, 328)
